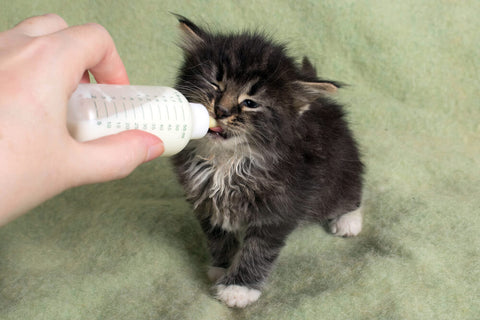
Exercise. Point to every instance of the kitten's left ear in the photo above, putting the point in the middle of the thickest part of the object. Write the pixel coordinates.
(308, 91)
(193, 35)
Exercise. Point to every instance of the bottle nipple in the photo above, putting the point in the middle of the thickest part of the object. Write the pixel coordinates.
(212, 123)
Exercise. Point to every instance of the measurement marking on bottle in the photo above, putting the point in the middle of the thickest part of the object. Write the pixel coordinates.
(151, 109)
(183, 113)
(96, 108)
(115, 106)
(125, 109)
(106, 109)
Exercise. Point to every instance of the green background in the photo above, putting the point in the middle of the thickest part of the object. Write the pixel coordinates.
(131, 249)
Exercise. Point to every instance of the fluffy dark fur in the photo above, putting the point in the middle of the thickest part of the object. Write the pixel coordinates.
(282, 154)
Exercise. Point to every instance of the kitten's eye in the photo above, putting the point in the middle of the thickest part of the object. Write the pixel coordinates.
(249, 103)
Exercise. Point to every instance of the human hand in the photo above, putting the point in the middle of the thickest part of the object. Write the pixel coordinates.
(42, 60)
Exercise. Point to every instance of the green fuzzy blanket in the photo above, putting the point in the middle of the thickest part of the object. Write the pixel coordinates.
(131, 249)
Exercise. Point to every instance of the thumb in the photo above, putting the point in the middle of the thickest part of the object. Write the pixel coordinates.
(113, 157)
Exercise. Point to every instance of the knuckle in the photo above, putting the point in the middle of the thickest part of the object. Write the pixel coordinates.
(128, 164)
(56, 20)
(129, 160)
(95, 27)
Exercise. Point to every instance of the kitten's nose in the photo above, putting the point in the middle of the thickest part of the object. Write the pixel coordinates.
(221, 112)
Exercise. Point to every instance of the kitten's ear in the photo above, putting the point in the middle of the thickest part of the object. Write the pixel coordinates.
(308, 69)
(192, 35)
(319, 88)
(309, 91)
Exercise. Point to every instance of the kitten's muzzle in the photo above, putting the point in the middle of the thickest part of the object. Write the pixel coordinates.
(222, 112)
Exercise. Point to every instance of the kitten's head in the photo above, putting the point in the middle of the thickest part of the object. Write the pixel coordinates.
(249, 84)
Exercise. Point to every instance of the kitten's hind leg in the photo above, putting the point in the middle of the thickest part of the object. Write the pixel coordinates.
(348, 224)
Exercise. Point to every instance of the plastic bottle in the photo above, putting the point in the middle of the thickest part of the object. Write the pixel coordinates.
(97, 110)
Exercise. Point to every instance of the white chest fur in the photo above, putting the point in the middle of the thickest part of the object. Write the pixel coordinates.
(223, 185)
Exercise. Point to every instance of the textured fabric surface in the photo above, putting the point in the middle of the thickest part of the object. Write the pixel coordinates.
(131, 249)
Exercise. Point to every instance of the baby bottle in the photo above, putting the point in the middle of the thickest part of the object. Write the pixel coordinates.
(97, 110)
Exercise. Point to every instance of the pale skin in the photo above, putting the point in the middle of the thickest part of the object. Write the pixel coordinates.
(42, 60)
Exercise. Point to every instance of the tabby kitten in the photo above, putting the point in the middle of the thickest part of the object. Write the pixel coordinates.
(281, 154)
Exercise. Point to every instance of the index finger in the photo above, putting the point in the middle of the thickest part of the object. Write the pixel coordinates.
(90, 47)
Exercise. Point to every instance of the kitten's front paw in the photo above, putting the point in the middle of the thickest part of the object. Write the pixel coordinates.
(237, 296)
(347, 225)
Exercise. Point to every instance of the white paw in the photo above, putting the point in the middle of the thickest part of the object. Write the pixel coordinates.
(237, 296)
(215, 273)
(347, 225)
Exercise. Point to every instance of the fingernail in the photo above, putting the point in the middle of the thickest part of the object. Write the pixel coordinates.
(155, 151)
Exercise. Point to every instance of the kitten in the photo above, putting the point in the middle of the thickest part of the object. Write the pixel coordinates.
(281, 154)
